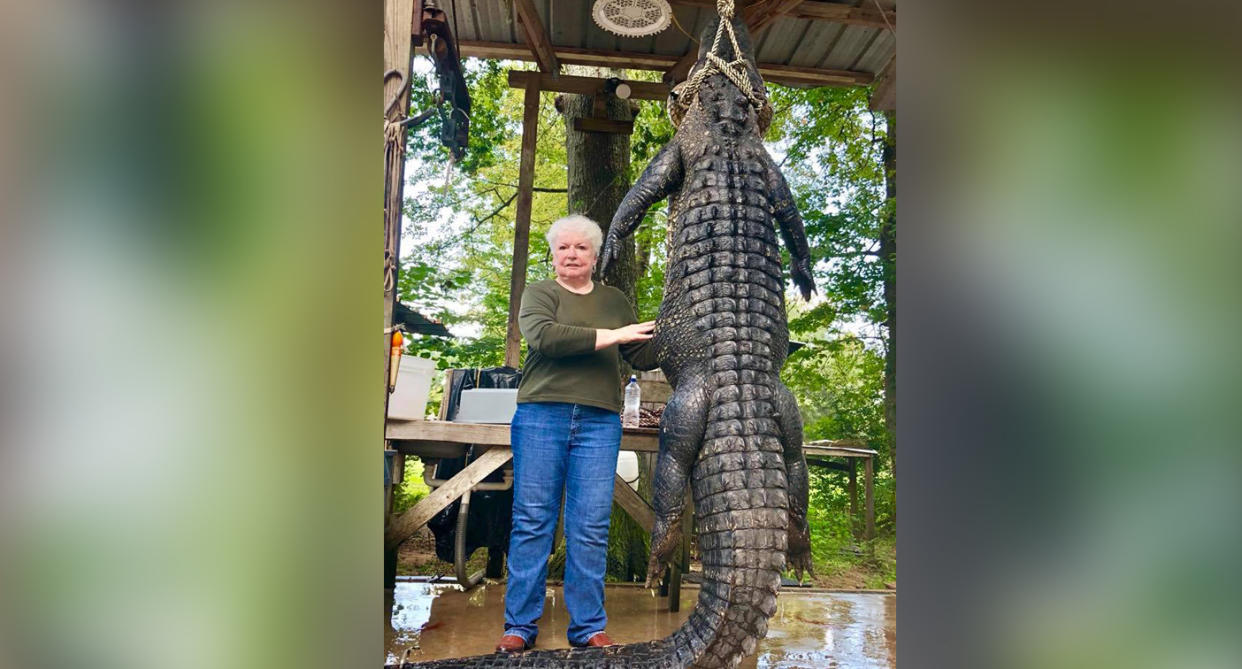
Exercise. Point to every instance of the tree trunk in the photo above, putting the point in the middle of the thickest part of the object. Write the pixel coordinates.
(598, 167)
(888, 260)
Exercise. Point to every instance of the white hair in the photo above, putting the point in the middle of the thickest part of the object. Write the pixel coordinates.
(579, 224)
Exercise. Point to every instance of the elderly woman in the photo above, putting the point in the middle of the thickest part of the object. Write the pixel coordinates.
(566, 434)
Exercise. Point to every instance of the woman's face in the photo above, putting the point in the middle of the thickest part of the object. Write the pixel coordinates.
(572, 256)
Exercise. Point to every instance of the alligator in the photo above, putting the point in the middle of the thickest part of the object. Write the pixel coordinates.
(731, 430)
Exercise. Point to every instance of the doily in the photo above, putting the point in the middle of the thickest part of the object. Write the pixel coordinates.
(632, 18)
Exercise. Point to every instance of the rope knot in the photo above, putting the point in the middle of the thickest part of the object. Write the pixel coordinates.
(685, 93)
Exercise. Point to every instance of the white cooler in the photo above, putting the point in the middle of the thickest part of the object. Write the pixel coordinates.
(487, 405)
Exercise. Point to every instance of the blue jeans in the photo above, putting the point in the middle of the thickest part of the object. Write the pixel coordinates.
(560, 447)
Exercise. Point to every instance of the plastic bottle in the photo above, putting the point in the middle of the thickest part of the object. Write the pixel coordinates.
(633, 395)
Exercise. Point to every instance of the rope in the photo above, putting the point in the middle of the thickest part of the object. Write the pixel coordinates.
(685, 93)
(394, 158)
(884, 15)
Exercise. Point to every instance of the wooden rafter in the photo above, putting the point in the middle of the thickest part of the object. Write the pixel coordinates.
(639, 90)
(838, 13)
(757, 16)
(789, 75)
(884, 95)
(536, 36)
(569, 55)
(819, 11)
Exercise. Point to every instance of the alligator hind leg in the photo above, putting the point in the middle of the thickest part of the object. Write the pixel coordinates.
(798, 552)
(681, 436)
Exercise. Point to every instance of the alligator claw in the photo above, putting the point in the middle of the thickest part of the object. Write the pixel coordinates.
(798, 552)
(608, 253)
(665, 540)
(801, 273)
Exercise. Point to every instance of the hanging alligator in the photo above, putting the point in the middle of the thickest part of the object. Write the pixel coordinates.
(731, 429)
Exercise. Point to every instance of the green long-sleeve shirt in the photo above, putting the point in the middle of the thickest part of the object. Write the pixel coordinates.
(562, 364)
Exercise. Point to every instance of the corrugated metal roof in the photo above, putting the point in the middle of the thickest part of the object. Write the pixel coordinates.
(864, 46)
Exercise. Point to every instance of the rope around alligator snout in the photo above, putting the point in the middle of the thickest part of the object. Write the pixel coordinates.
(685, 93)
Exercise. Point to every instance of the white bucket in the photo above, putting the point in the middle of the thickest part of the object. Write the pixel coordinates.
(409, 400)
(627, 468)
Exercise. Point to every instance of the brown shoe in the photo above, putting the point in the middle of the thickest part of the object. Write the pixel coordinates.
(597, 640)
(511, 643)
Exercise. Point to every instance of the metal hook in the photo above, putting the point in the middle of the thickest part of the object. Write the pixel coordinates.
(396, 97)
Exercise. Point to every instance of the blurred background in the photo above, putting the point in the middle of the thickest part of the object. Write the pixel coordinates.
(190, 473)
(191, 253)
(1069, 229)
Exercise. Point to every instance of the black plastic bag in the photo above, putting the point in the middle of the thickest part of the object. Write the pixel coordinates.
(490, 511)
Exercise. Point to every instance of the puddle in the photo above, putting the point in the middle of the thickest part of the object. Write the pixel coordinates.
(809, 629)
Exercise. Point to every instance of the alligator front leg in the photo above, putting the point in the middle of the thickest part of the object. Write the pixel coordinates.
(785, 211)
(662, 176)
(681, 436)
(798, 550)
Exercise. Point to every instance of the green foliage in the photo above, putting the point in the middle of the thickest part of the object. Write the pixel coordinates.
(411, 489)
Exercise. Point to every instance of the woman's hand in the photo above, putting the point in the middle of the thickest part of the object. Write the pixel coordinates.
(624, 335)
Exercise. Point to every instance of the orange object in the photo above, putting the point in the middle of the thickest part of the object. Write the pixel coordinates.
(394, 359)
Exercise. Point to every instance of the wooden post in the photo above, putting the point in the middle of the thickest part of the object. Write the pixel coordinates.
(398, 48)
(674, 586)
(853, 493)
(521, 232)
(398, 26)
(683, 561)
(869, 486)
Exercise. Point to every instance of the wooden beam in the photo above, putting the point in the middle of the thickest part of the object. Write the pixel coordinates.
(655, 391)
(831, 12)
(633, 504)
(869, 493)
(462, 433)
(839, 13)
(852, 490)
(409, 436)
(398, 17)
(828, 464)
(788, 75)
(836, 452)
(398, 48)
(536, 36)
(758, 16)
(521, 231)
(639, 90)
(884, 94)
(403, 527)
(792, 75)
(646, 440)
(678, 72)
(569, 55)
(838, 443)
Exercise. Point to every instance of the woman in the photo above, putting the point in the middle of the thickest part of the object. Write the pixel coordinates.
(566, 434)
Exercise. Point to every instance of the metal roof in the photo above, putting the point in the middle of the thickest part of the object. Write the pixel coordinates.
(800, 43)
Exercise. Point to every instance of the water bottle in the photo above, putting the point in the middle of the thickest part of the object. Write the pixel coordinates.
(629, 417)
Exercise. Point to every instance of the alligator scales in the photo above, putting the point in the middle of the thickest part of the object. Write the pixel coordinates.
(731, 429)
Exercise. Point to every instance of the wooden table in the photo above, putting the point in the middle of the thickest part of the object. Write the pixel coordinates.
(445, 439)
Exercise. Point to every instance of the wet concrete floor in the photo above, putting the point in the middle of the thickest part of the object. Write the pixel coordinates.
(809, 629)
